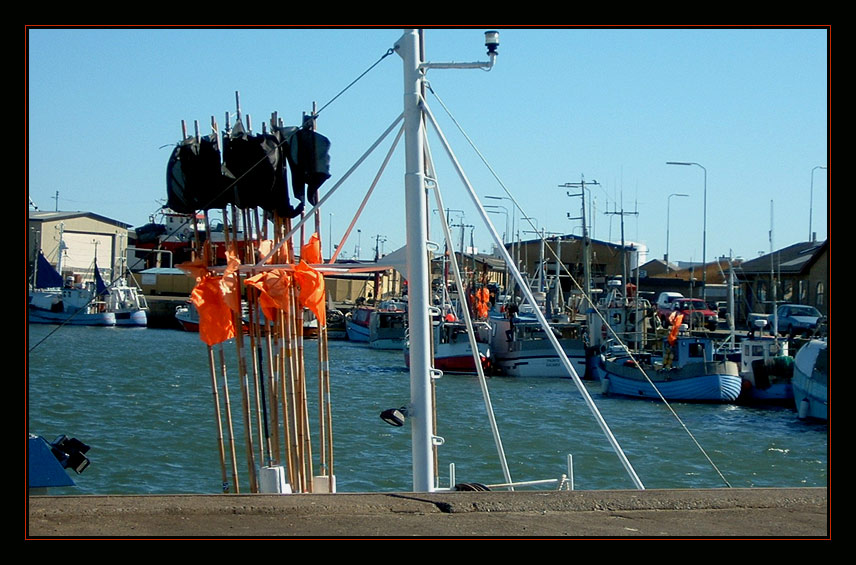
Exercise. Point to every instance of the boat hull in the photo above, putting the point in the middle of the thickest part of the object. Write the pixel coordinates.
(39, 316)
(810, 382)
(357, 332)
(546, 364)
(134, 319)
(711, 381)
(534, 356)
(457, 358)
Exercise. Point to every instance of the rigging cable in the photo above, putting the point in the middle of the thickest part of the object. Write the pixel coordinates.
(668, 406)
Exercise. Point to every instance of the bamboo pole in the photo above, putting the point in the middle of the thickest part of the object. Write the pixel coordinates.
(229, 422)
(220, 442)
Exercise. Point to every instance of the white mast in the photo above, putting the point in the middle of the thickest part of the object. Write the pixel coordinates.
(420, 411)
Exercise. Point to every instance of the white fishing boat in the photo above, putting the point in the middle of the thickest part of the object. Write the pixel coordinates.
(127, 304)
(387, 328)
(521, 347)
(77, 305)
(686, 371)
(766, 369)
(54, 301)
(811, 380)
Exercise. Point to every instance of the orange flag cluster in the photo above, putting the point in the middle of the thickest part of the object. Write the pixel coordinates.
(481, 302)
(217, 298)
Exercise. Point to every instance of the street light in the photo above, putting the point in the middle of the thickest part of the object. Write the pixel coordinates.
(811, 200)
(500, 210)
(668, 216)
(704, 228)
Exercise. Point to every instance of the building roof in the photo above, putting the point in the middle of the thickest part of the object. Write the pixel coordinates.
(794, 259)
(574, 237)
(40, 216)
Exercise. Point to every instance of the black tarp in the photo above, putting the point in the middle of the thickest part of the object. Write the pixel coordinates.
(309, 159)
(194, 179)
(253, 172)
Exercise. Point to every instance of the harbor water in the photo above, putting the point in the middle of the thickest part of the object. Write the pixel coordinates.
(142, 400)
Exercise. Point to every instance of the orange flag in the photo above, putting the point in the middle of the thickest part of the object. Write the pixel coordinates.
(229, 285)
(273, 286)
(312, 291)
(311, 252)
(676, 325)
(216, 322)
(197, 269)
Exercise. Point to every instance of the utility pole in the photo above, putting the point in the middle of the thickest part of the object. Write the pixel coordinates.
(623, 213)
(586, 239)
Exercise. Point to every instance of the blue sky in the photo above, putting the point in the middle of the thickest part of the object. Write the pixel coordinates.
(104, 107)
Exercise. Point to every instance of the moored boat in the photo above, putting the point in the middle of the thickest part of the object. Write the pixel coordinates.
(766, 370)
(521, 349)
(71, 305)
(388, 326)
(187, 317)
(357, 323)
(54, 301)
(811, 379)
(452, 350)
(686, 371)
(127, 304)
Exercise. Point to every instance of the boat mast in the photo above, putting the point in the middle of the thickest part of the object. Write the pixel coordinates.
(420, 411)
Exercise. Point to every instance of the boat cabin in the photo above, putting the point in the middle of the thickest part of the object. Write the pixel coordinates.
(686, 350)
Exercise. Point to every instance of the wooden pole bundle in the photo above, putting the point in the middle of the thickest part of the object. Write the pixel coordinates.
(270, 358)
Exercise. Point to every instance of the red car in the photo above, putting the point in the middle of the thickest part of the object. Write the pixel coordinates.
(696, 313)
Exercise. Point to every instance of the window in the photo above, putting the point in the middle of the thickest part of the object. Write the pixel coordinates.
(818, 295)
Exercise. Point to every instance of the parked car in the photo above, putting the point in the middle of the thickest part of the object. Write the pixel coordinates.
(798, 319)
(665, 302)
(696, 313)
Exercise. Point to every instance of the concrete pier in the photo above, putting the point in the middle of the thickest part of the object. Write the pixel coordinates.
(719, 513)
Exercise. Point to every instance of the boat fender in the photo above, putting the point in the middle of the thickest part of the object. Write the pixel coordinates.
(604, 385)
(802, 410)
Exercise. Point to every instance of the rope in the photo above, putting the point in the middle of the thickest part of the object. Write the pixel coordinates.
(389, 52)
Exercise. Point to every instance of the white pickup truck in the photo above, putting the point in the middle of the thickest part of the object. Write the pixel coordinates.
(665, 303)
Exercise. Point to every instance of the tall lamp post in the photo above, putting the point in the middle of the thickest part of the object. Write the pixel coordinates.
(668, 219)
(811, 200)
(497, 209)
(704, 228)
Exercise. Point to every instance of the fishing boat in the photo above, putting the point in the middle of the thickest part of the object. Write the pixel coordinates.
(685, 371)
(54, 301)
(767, 370)
(388, 326)
(452, 350)
(357, 323)
(77, 305)
(521, 347)
(336, 324)
(811, 380)
(187, 317)
(127, 304)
